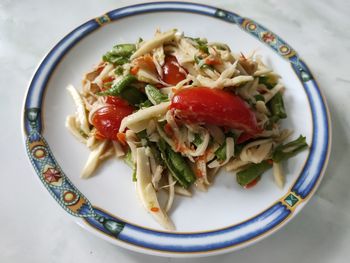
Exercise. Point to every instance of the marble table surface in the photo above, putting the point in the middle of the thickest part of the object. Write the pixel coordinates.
(318, 30)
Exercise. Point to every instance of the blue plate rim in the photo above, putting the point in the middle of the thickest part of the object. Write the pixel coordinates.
(94, 216)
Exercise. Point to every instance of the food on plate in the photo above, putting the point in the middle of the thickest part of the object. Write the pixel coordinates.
(177, 109)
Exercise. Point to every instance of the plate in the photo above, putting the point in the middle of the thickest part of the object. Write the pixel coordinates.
(225, 218)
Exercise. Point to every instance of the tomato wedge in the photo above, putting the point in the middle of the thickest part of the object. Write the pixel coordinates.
(116, 101)
(216, 107)
(171, 71)
(107, 119)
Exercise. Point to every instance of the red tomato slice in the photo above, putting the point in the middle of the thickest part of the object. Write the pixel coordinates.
(107, 119)
(214, 106)
(171, 71)
(116, 101)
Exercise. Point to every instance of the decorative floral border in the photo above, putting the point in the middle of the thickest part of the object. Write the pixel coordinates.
(58, 184)
(76, 204)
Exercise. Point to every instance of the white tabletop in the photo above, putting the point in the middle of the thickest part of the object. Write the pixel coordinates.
(318, 30)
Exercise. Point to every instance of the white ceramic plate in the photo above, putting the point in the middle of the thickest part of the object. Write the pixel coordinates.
(225, 218)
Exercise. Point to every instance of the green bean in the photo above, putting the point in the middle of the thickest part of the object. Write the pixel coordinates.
(288, 150)
(125, 91)
(164, 152)
(276, 106)
(124, 49)
(133, 95)
(120, 54)
(176, 164)
(154, 95)
(181, 166)
(115, 59)
(119, 87)
(252, 172)
(203, 48)
(281, 153)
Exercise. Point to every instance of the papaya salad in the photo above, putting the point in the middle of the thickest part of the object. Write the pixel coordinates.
(177, 109)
